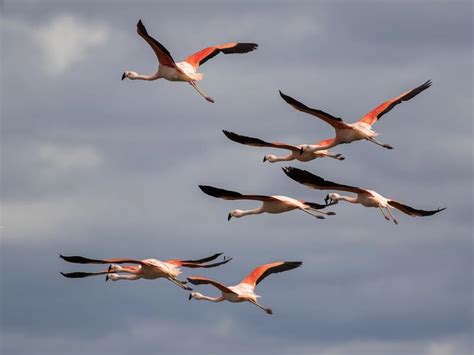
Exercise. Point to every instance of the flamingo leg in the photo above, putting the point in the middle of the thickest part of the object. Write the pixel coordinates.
(385, 216)
(311, 214)
(391, 215)
(179, 283)
(268, 310)
(373, 140)
(336, 156)
(326, 213)
(194, 85)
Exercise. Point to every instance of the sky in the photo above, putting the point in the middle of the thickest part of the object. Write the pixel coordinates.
(99, 167)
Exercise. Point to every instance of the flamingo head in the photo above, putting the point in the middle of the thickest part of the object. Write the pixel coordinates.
(269, 157)
(196, 296)
(235, 213)
(332, 199)
(129, 74)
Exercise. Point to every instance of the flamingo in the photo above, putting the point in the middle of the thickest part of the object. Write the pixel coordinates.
(297, 151)
(362, 129)
(245, 290)
(187, 69)
(365, 197)
(149, 269)
(271, 204)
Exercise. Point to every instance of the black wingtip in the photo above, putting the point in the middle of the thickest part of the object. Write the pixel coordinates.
(293, 264)
(141, 27)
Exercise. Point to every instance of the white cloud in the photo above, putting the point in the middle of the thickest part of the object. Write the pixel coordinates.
(67, 40)
(66, 158)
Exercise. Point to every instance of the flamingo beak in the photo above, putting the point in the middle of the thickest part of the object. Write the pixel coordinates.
(190, 297)
(264, 159)
(229, 216)
(108, 270)
(327, 199)
(123, 76)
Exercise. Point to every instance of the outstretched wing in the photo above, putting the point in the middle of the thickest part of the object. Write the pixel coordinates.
(259, 273)
(374, 115)
(199, 58)
(258, 142)
(413, 211)
(198, 280)
(199, 263)
(82, 260)
(336, 122)
(232, 195)
(163, 55)
(316, 182)
(76, 275)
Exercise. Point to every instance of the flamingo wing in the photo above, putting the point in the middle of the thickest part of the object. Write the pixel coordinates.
(413, 211)
(256, 142)
(334, 121)
(262, 271)
(163, 55)
(76, 275)
(199, 262)
(82, 260)
(316, 182)
(326, 142)
(199, 58)
(232, 195)
(374, 115)
(198, 280)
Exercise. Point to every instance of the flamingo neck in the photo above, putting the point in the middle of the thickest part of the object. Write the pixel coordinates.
(348, 199)
(146, 77)
(253, 211)
(212, 299)
(274, 159)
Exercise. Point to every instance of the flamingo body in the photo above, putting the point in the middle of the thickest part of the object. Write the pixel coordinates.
(186, 70)
(365, 197)
(149, 269)
(245, 290)
(351, 132)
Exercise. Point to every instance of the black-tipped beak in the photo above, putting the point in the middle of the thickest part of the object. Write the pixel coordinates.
(326, 199)
(229, 216)
(123, 76)
(264, 159)
(190, 297)
(107, 276)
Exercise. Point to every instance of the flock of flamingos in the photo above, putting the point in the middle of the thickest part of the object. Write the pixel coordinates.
(186, 71)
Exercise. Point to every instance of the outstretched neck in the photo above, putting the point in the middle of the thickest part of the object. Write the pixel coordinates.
(348, 199)
(146, 77)
(274, 159)
(253, 211)
(212, 299)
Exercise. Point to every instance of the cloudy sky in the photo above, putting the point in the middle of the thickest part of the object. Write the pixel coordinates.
(100, 167)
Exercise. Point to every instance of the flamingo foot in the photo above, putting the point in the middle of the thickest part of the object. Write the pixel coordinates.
(387, 146)
(210, 99)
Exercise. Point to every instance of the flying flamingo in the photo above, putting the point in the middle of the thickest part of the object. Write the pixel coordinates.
(186, 70)
(271, 204)
(362, 129)
(366, 198)
(245, 290)
(297, 151)
(149, 269)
